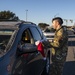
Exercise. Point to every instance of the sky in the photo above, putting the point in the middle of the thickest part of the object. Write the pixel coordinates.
(41, 11)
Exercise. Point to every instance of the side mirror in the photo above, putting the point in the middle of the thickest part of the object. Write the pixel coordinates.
(29, 48)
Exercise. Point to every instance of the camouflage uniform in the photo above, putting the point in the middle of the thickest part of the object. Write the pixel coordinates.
(59, 48)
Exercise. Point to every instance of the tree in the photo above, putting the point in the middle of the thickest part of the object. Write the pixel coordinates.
(43, 25)
(7, 15)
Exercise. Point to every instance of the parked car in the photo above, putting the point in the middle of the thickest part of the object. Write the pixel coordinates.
(49, 35)
(28, 62)
(71, 31)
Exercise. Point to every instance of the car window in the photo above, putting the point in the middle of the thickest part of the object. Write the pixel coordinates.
(26, 36)
(42, 35)
(36, 34)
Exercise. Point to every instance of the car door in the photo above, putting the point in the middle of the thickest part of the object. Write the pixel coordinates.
(28, 63)
(8, 53)
(39, 57)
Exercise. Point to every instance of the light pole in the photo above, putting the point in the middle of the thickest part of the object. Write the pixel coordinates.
(26, 14)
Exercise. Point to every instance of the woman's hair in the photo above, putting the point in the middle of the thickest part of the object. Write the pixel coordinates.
(60, 20)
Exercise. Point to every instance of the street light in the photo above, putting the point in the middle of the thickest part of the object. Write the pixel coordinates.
(26, 14)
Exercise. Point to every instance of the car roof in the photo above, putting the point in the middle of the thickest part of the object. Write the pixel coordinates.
(14, 24)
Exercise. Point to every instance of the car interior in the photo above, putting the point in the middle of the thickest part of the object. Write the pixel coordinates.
(26, 37)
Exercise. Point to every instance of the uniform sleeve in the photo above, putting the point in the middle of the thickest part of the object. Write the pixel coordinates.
(58, 40)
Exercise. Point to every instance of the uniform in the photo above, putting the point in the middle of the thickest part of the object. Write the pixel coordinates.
(59, 48)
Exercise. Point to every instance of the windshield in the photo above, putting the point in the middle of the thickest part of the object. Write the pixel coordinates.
(5, 35)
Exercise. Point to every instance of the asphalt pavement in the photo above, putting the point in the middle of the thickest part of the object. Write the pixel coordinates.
(69, 67)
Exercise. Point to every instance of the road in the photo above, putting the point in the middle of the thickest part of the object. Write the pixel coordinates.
(69, 68)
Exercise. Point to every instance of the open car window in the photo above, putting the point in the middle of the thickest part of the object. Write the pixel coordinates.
(26, 36)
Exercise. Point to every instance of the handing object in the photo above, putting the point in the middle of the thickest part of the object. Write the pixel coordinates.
(40, 47)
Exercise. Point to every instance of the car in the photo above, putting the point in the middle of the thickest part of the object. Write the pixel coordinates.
(49, 35)
(73, 30)
(14, 60)
(70, 31)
